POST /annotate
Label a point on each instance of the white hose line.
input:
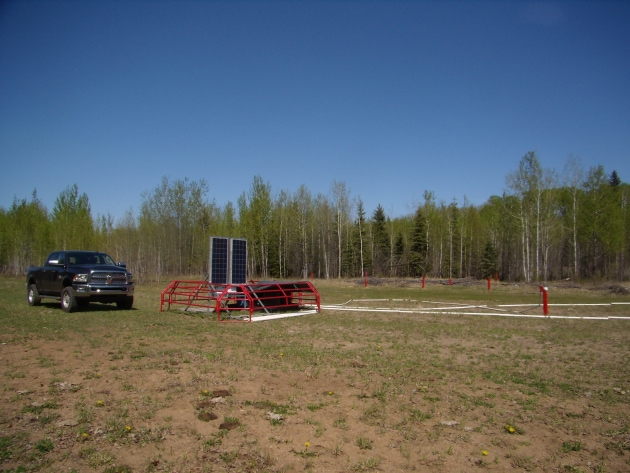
(491, 314)
(262, 318)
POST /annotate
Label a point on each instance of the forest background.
(546, 226)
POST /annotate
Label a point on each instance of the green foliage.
(25, 235)
(71, 220)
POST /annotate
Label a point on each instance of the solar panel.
(219, 261)
(238, 269)
(228, 260)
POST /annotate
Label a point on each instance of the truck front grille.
(106, 277)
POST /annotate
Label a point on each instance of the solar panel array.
(228, 260)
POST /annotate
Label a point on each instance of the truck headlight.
(129, 278)
(80, 278)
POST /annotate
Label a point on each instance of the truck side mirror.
(122, 265)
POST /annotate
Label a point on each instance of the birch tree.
(574, 178)
(342, 211)
(255, 217)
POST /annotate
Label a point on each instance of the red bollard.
(423, 277)
(545, 300)
(450, 282)
(489, 284)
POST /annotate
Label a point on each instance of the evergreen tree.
(451, 260)
(490, 261)
(399, 255)
(418, 251)
(380, 247)
(614, 180)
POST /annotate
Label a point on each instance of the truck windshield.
(90, 258)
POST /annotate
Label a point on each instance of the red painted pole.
(423, 277)
(489, 284)
(450, 282)
(545, 300)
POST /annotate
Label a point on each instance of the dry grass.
(121, 391)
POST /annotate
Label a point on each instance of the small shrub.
(571, 446)
(44, 445)
(364, 444)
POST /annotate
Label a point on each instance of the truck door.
(50, 270)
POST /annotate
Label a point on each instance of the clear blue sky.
(392, 98)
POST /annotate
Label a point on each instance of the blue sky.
(391, 98)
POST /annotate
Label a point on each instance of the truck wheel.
(126, 303)
(68, 302)
(32, 295)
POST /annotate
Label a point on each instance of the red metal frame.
(229, 299)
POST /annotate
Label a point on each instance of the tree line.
(542, 228)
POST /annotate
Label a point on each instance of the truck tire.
(32, 295)
(68, 302)
(125, 303)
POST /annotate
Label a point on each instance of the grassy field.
(146, 391)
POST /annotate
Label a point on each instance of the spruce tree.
(419, 250)
(614, 180)
(490, 261)
(380, 253)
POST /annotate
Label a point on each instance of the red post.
(489, 284)
(545, 300)
(450, 282)
(496, 277)
(365, 279)
(423, 278)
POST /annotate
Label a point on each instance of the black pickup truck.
(77, 278)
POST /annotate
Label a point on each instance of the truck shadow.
(92, 307)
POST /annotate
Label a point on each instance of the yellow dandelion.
(99, 403)
(127, 428)
(85, 435)
(307, 444)
(281, 354)
(330, 393)
(484, 453)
